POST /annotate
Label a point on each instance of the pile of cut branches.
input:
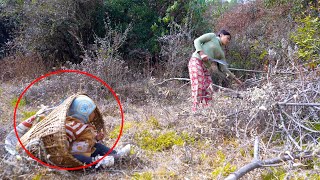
(282, 110)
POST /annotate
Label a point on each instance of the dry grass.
(220, 135)
(21, 67)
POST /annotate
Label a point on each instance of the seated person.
(83, 137)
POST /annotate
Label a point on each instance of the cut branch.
(186, 79)
(257, 163)
(224, 88)
(298, 104)
(268, 162)
(247, 70)
(256, 71)
(256, 149)
(171, 79)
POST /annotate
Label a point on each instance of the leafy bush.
(6, 28)
(221, 167)
(142, 176)
(224, 170)
(101, 60)
(141, 14)
(158, 142)
(45, 27)
(115, 132)
(153, 122)
(22, 102)
(307, 37)
(27, 114)
(278, 173)
(297, 6)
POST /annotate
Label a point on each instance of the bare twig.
(298, 104)
(287, 132)
(256, 71)
(246, 70)
(256, 149)
(299, 124)
(224, 88)
(171, 79)
(273, 128)
(186, 79)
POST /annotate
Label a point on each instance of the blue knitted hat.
(81, 107)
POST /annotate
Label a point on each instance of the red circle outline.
(56, 73)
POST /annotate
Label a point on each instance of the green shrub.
(307, 37)
(224, 170)
(275, 173)
(27, 114)
(187, 138)
(22, 102)
(115, 132)
(270, 3)
(164, 174)
(37, 176)
(314, 177)
(158, 142)
(47, 26)
(153, 122)
(142, 176)
(220, 158)
(220, 166)
(243, 152)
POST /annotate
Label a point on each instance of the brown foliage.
(21, 67)
(260, 36)
(240, 17)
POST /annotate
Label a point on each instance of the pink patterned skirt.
(200, 82)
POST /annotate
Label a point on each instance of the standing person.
(207, 46)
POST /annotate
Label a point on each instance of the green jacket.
(210, 44)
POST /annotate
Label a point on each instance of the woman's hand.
(238, 81)
(203, 56)
(100, 136)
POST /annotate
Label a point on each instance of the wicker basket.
(47, 140)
